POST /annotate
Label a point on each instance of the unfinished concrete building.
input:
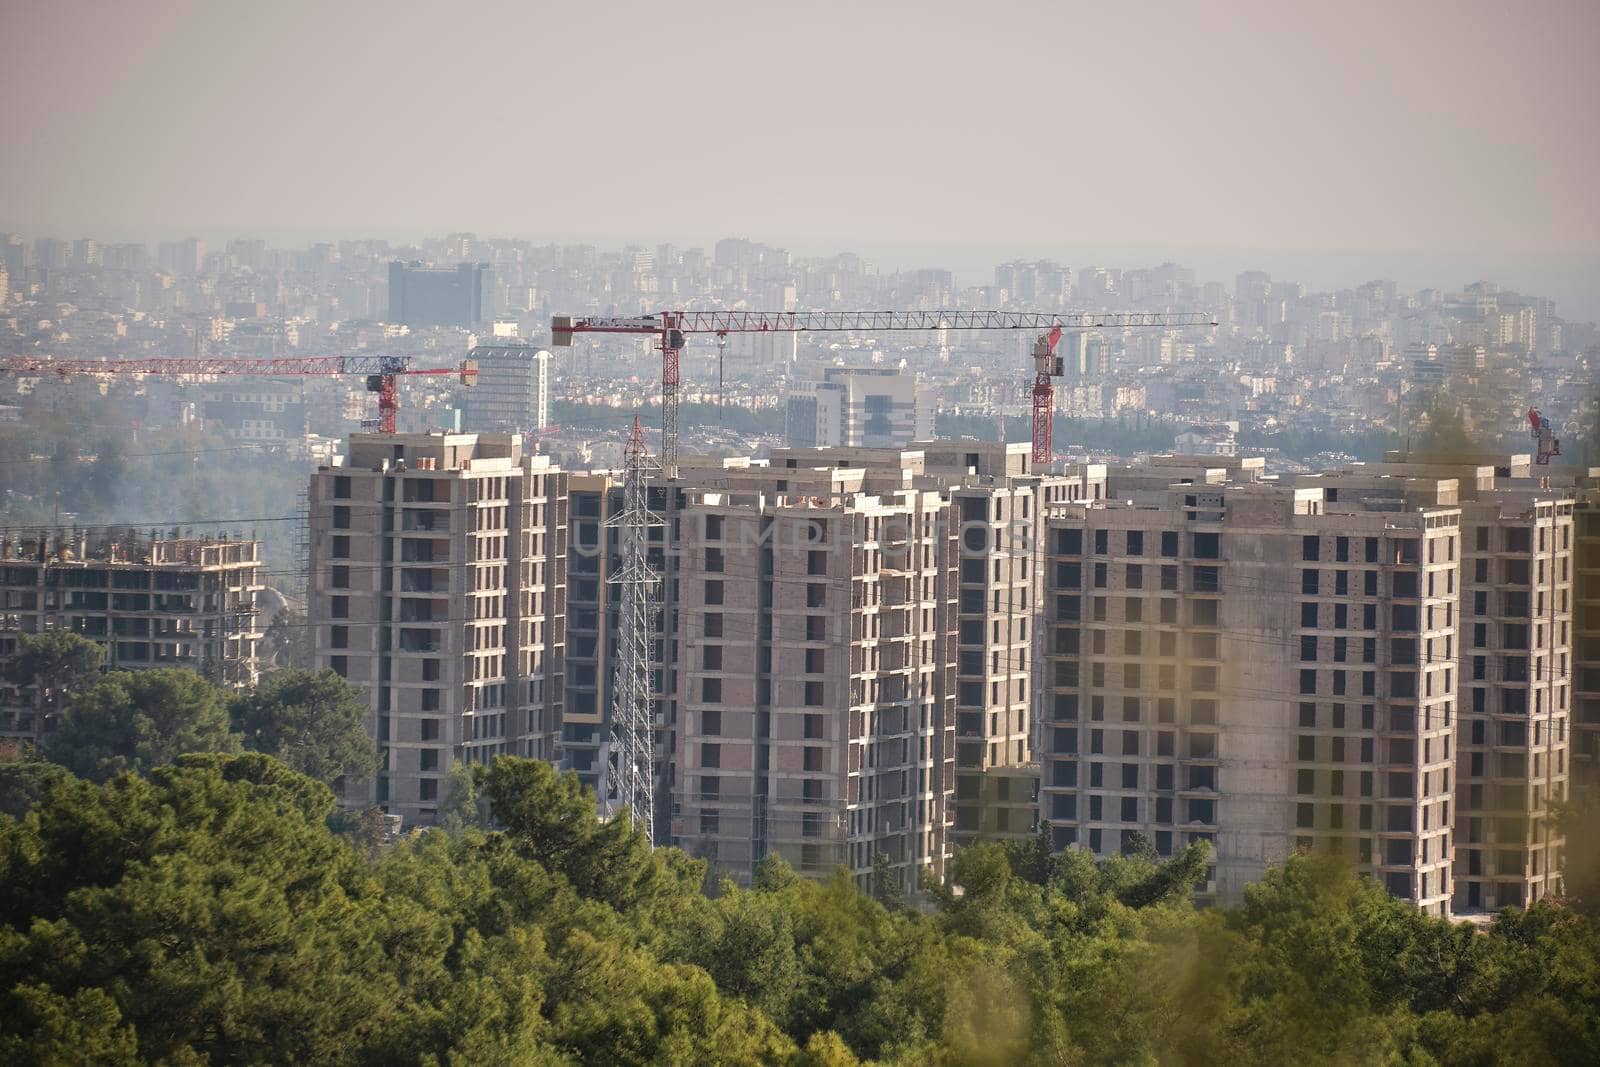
(998, 505)
(989, 611)
(150, 600)
(438, 586)
(1586, 642)
(1515, 671)
(591, 623)
(807, 628)
(1257, 666)
(813, 687)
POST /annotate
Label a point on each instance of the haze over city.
(814, 535)
(1365, 130)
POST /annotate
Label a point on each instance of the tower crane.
(671, 330)
(381, 372)
(1544, 437)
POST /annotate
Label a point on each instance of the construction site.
(150, 599)
(862, 657)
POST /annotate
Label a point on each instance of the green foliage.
(885, 886)
(550, 819)
(206, 913)
(313, 721)
(23, 781)
(465, 804)
(366, 829)
(59, 662)
(137, 720)
(287, 641)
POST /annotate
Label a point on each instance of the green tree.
(886, 888)
(24, 781)
(57, 662)
(288, 640)
(550, 818)
(139, 720)
(313, 721)
(212, 909)
(465, 804)
(1031, 859)
(367, 829)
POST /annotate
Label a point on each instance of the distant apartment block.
(998, 506)
(802, 673)
(439, 588)
(181, 257)
(155, 602)
(421, 296)
(591, 623)
(255, 409)
(859, 407)
(512, 393)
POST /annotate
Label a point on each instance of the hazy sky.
(1413, 128)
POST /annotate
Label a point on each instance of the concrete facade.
(1251, 665)
(591, 622)
(187, 602)
(438, 586)
(1586, 644)
(877, 635)
(814, 688)
(1514, 660)
(999, 505)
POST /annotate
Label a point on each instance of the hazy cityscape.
(830, 636)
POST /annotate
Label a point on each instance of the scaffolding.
(629, 766)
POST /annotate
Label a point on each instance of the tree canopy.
(205, 913)
(138, 720)
(58, 662)
(313, 721)
(287, 641)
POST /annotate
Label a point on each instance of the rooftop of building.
(1502, 464)
(125, 548)
(439, 451)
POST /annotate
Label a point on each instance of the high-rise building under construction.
(1372, 661)
(150, 600)
(438, 586)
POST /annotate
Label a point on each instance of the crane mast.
(671, 330)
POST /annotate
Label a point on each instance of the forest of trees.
(207, 912)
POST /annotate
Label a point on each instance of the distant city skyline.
(1571, 280)
(1464, 131)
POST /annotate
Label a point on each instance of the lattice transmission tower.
(630, 761)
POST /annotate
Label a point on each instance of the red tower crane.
(1046, 368)
(1544, 437)
(381, 372)
(672, 328)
